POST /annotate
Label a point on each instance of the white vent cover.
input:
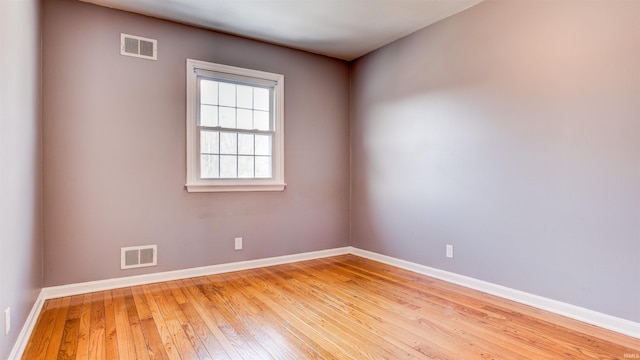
(138, 256)
(137, 46)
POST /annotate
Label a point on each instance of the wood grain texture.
(343, 307)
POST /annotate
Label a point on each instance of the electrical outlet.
(449, 251)
(238, 243)
(7, 321)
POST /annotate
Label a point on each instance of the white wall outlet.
(7, 321)
(449, 251)
(238, 245)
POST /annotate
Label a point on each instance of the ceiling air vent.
(137, 46)
(138, 256)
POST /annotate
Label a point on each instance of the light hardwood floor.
(343, 307)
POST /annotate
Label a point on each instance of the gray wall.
(509, 130)
(512, 131)
(20, 165)
(114, 150)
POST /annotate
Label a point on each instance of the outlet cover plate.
(449, 251)
(7, 321)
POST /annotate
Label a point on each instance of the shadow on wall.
(509, 130)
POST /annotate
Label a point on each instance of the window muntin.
(234, 128)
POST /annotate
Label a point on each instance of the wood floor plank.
(471, 315)
(533, 336)
(453, 290)
(441, 314)
(70, 335)
(249, 321)
(190, 334)
(275, 343)
(277, 294)
(41, 336)
(378, 309)
(110, 328)
(343, 322)
(299, 345)
(58, 330)
(242, 341)
(207, 313)
(166, 336)
(342, 307)
(97, 336)
(296, 317)
(125, 339)
(200, 328)
(150, 333)
(142, 351)
(82, 351)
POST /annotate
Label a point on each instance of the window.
(235, 129)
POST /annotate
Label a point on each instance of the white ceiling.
(344, 29)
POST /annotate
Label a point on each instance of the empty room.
(320, 179)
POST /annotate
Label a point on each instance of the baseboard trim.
(623, 326)
(613, 323)
(23, 338)
(108, 284)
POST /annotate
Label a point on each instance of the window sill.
(233, 188)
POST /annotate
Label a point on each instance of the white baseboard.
(25, 333)
(100, 285)
(592, 317)
(613, 323)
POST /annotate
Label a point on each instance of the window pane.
(233, 128)
(245, 166)
(263, 145)
(209, 166)
(209, 142)
(208, 115)
(261, 99)
(228, 166)
(245, 144)
(261, 120)
(245, 96)
(228, 117)
(263, 167)
(228, 143)
(227, 94)
(208, 92)
(245, 120)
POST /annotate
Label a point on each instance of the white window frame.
(197, 184)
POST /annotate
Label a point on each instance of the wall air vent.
(138, 256)
(137, 46)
